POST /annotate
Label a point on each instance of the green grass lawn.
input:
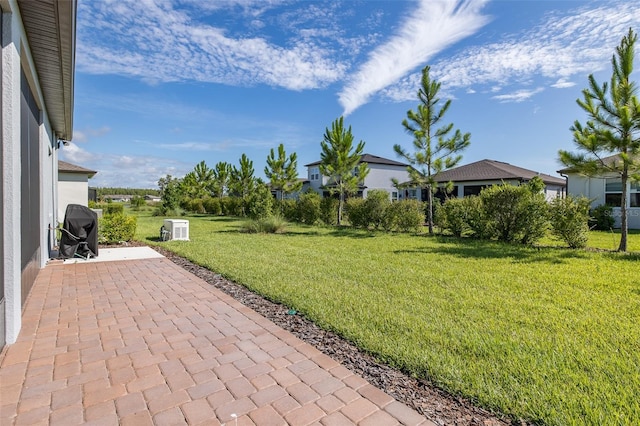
(548, 334)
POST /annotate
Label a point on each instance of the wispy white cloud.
(126, 171)
(563, 84)
(576, 43)
(432, 26)
(156, 42)
(518, 96)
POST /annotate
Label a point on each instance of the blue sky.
(164, 84)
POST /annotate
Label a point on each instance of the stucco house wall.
(594, 188)
(36, 98)
(381, 171)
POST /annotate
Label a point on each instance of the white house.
(73, 185)
(36, 100)
(381, 171)
(606, 189)
(471, 178)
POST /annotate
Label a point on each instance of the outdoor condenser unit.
(178, 229)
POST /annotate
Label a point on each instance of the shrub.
(269, 225)
(477, 220)
(232, 206)
(356, 212)
(408, 215)
(515, 213)
(259, 203)
(452, 216)
(287, 209)
(309, 207)
(601, 218)
(113, 208)
(376, 203)
(329, 210)
(212, 206)
(195, 205)
(570, 220)
(114, 228)
(137, 202)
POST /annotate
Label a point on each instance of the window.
(635, 194)
(394, 195)
(613, 192)
(473, 189)
(314, 174)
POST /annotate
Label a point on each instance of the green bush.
(260, 203)
(112, 208)
(356, 212)
(601, 218)
(515, 213)
(376, 204)
(286, 208)
(137, 202)
(212, 206)
(115, 228)
(477, 221)
(570, 220)
(195, 205)
(452, 216)
(329, 210)
(232, 206)
(309, 207)
(268, 225)
(405, 215)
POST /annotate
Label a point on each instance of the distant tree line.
(126, 191)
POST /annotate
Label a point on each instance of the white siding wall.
(380, 176)
(73, 188)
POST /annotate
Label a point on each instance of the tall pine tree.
(612, 129)
(340, 162)
(435, 149)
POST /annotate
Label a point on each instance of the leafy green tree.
(340, 162)
(282, 172)
(612, 128)
(198, 183)
(435, 148)
(169, 192)
(221, 177)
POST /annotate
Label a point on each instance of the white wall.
(380, 176)
(73, 188)
(594, 189)
(15, 58)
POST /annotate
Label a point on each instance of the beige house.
(73, 186)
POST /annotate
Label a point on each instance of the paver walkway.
(141, 342)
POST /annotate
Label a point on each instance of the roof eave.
(54, 59)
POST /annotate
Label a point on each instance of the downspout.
(565, 190)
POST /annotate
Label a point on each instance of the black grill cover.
(80, 232)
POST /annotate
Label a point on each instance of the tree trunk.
(623, 213)
(430, 209)
(341, 201)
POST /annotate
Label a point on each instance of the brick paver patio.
(143, 342)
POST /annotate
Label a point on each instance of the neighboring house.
(118, 198)
(152, 198)
(36, 106)
(292, 195)
(471, 178)
(381, 171)
(606, 189)
(73, 186)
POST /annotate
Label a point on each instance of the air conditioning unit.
(176, 229)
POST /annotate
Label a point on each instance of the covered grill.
(79, 233)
